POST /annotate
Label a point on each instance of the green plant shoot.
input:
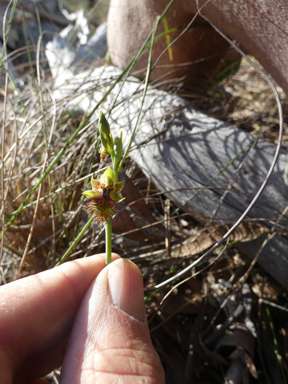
(106, 191)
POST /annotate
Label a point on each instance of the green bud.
(103, 124)
(105, 133)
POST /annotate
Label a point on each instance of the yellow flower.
(103, 196)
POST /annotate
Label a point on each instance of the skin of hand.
(87, 317)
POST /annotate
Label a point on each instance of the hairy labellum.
(101, 208)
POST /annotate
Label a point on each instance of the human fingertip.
(126, 288)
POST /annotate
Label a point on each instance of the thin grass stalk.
(10, 172)
(30, 234)
(75, 242)
(3, 170)
(168, 39)
(6, 33)
(28, 51)
(16, 90)
(50, 178)
(276, 347)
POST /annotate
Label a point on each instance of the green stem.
(108, 240)
(75, 242)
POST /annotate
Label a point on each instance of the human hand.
(98, 309)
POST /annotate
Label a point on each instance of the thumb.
(110, 341)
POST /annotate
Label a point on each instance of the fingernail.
(126, 288)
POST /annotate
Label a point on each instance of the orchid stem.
(108, 240)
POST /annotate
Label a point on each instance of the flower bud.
(103, 124)
(105, 133)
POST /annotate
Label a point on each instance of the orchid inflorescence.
(106, 191)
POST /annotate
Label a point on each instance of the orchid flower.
(103, 196)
